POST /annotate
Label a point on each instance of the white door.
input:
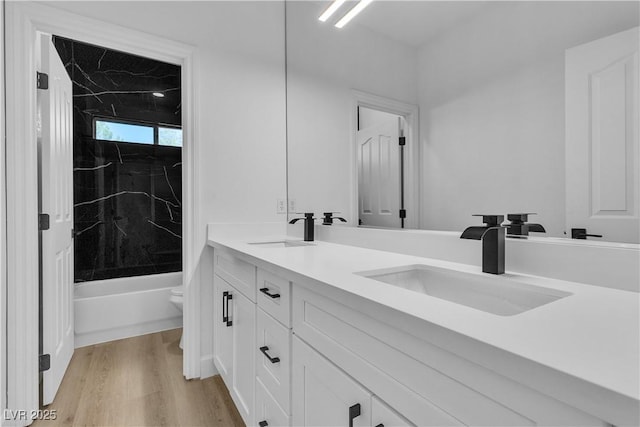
(243, 316)
(379, 174)
(55, 147)
(602, 151)
(323, 395)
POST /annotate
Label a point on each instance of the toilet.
(176, 299)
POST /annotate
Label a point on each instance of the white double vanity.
(326, 334)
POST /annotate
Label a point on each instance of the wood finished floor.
(138, 382)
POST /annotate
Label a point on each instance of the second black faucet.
(308, 225)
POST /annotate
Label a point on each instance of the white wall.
(324, 65)
(240, 107)
(368, 117)
(492, 110)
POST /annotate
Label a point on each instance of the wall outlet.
(292, 206)
(281, 207)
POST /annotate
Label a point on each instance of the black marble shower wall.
(127, 196)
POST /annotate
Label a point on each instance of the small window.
(109, 130)
(114, 131)
(170, 136)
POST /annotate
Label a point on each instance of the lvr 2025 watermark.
(24, 415)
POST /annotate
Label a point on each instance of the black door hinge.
(403, 213)
(42, 81)
(402, 141)
(43, 221)
(44, 362)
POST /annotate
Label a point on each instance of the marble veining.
(127, 197)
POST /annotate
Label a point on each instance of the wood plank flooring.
(138, 382)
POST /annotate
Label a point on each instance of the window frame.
(156, 126)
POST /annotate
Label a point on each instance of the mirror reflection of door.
(379, 168)
(602, 161)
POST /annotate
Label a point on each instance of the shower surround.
(127, 196)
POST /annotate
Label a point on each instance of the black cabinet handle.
(225, 294)
(228, 318)
(380, 425)
(354, 411)
(263, 423)
(271, 359)
(266, 292)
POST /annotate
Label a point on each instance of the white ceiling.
(416, 22)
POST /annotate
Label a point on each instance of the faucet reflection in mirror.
(519, 227)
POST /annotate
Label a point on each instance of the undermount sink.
(282, 244)
(493, 294)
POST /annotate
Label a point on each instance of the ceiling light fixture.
(331, 10)
(158, 94)
(352, 13)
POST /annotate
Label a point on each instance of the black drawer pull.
(271, 359)
(380, 425)
(265, 423)
(354, 411)
(266, 292)
(228, 318)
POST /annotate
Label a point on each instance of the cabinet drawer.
(423, 382)
(377, 366)
(274, 296)
(274, 341)
(240, 274)
(382, 415)
(267, 409)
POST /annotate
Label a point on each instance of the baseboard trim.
(91, 338)
(207, 367)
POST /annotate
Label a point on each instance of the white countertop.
(593, 334)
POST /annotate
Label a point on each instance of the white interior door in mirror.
(379, 174)
(602, 150)
(55, 152)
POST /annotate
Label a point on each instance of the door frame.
(24, 20)
(411, 115)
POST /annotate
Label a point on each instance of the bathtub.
(107, 310)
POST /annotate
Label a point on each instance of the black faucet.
(328, 218)
(520, 227)
(581, 234)
(308, 226)
(492, 236)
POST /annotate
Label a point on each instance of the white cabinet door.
(234, 344)
(602, 159)
(242, 315)
(222, 334)
(268, 412)
(323, 395)
(273, 365)
(383, 416)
